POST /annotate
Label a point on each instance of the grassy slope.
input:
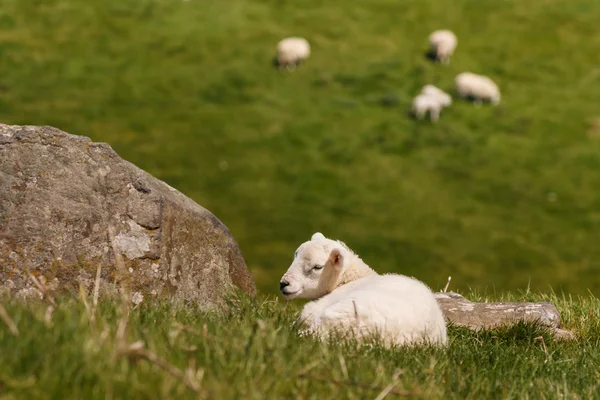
(253, 352)
(186, 91)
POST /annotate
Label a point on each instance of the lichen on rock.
(60, 194)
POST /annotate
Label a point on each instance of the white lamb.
(292, 51)
(351, 298)
(432, 100)
(477, 87)
(442, 43)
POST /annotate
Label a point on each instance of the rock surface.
(62, 195)
(463, 312)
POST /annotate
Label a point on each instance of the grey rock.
(60, 197)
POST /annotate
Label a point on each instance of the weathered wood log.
(463, 312)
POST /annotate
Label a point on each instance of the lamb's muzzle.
(282, 287)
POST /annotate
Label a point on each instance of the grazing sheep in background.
(292, 51)
(442, 45)
(477, 87)
(349, 297)
(432, 100)
(444, 98)
(423, 103)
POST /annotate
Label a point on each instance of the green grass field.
(503, 199)
(500, 198)
(252, 351)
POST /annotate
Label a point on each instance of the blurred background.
(500, 198)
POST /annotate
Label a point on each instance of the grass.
(502, 198)
(499, 198)
(252, 350)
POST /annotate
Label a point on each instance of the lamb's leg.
(331, 272)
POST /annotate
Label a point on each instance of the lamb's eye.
(317, 267)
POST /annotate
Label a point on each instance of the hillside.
(500, 198)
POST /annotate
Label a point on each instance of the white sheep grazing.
(443, 43)
(349, 297)
(292, 51)
(432, 100)
(477, 87)
(444, 98)
(423, 103)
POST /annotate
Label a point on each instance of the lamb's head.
(315, 270)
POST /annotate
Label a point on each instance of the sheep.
(442, 45)
(424, 103)
(444, 98)
(477, 87)
(349, 297)
(291, 52)
(432, 100)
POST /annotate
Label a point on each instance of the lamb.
(292, 51)
(442, 45)
(477, 87)
(432, 100)
(351, 298)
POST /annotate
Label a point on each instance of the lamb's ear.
(317, 236)
(336, 259)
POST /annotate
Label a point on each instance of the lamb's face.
(302, 277)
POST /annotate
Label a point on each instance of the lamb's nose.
(283, 284)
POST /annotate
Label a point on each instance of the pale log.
(463, 312)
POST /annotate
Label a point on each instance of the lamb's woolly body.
(292, 51)
(399, 309)
(443, 43)
(478, 87)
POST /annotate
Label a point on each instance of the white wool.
(431, 100)
(423, 104)
(350, 298)
(443, 43)
(478, 87)
(292, 51)
(444, 98)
